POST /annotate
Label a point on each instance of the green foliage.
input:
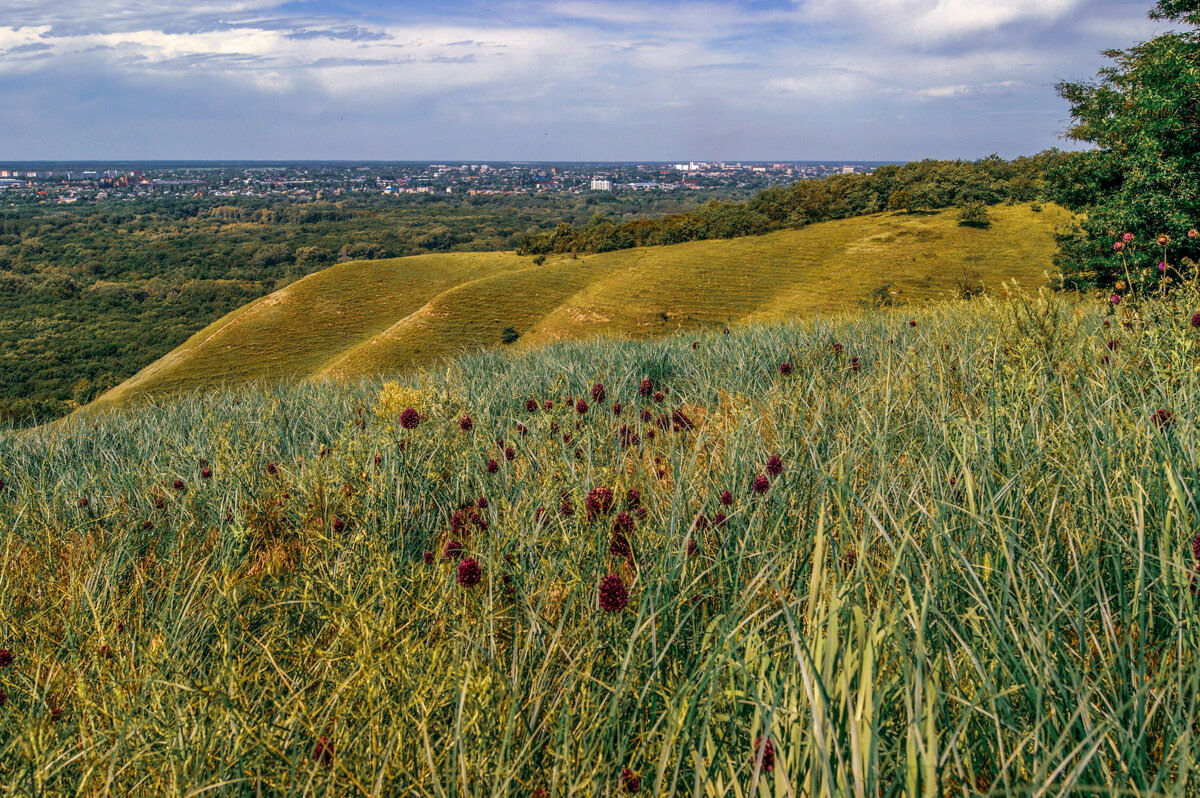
(1143, 178)
(974, 214)
(976, 539)
(509, 335)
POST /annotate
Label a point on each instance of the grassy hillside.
(374, 317)
(969, 571)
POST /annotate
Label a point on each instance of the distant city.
(93, 182)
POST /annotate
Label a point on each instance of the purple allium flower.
(522, 430)
(659, 396)
(1112, 345)
(693, 548)
(6, 658)
(539, 513)
(612, 593)
(567, 438)
(912, 323)
(630, 782)
(719, 519)
(492, 466)
(727, 498)
(469, 572)
(775, 465)
(509, 453)
(646, 415)
(147, 525)
(623, 523)
(837, 349)
(695, 344)
(338, 525)
(427, 557)
(1195, 552)
(1196, 319)
(1163, 419)
(566, 509)
(160, 502)
(598, 393)
(768, 754)
(681, 421)
(465, 423)
(701, 521)
(177, 484)
(616, 408)
(410, 418)
(540, 792)
(645, 387)
(453, 549)
(854, 366)
(323, 753)
(83, 501)
(785, 368)
(106, 652)
(482, 503)
(599, 501)
(206, 473)
(272, 469)
(581, 407)
(531, 405)
(761, 484)
(633, 497)
(56, 713)
(1116, 299)
(618, 546)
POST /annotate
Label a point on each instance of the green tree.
(1143, 178)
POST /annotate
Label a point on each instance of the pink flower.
(1127, 238)
(1116, 299)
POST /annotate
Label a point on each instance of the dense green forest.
(91, 294)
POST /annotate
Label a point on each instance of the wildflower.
(1112, 345)
(693, 548)
(616, 408)
(768, 754)
(1118, 246)
(147, 525)
(540, 792)
(548, 405)
(106, 652)
(428, 557)
(1163, 240)
(540, 513)
(1196, 319)
(612, 593)
(1163, 419)
(726, 498)
(272, 469)
(659, 396)
(623, 523)
(492, 466)
(202, 462)
(726, 331)
(453, 549)
(645, 387)
(785, 368)
(854, 366)
(323, 753)
(695, 344)
(531, 405)
(633, 497)
(566, 438)
(630, 782)
(522, 430)
(177, 484)
(1162, 266)
(566, 509)
(338, 525)
(761, 484)
(410, 418)
(775, 465)
(1127, 238)
(598, 393)
(719, 518)
(599, 501)
(83, 501)
(1116, 299)
(469, 572)
(618, 546)
(581, 407)
(509, 453)
(206, 473)
(1195, 553)
(324, 451)
(837, 349)
(465, 423)
(160, 502)
(6, 658)
(1193, 233)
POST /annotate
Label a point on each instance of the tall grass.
(971, 577)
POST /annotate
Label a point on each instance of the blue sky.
(546, 79)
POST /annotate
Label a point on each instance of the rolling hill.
(370, 317)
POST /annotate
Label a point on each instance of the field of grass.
(375, 317)
(969, 571)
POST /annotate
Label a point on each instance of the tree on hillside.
(1143, 177)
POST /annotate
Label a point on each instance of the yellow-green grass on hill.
(372, 317)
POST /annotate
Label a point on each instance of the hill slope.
(374, 317)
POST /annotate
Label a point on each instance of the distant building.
(847, 170)
(600, 184)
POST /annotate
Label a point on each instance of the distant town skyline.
(546, 80)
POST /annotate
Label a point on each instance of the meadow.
(942, 551)
(366, 318)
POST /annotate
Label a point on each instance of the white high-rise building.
(600, 184)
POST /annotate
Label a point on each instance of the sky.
(547, 80)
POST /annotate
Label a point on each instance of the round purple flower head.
(1163, 419)
(531, 405)
(410, 418)
(6, 658)
(633, 497)
(492, 466)
(599, 501)
(1116, 299)
(1127, 238)
(726, 498)
(775, 465)
(616, 408)
(630, 782)
(768, 754)
(761, 484)
(453, 549)
(581, 407)
(837, 349)
(645, 387)
(323, 753)
(1196, 320)
(785, 368)
(469, 572)
(618, 546)
(177, 484)
(612, 593)
(598, 393)
(465, 423)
